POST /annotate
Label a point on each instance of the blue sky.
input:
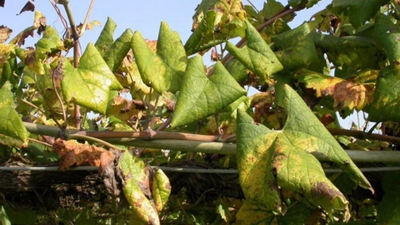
(144, 16)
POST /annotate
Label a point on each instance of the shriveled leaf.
(161, 189)
(5, 33)
(200, 96)
(385, 105)
(73, 153)
(118, 50)
(39, 24)
(270, 159)
(122, 108)
(164, 70)
(133, 170)
(12, 130)
(345, 93)
(359, 11)
(250, 214)
(257, 55)
(29, 6)
(389, 207)
(106, 38)
(90, 84)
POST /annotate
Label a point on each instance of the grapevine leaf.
(161, 189)
(297, 49)
(5, 33)
(359, 11)
(134, 170)
(302, 123)
(269, 159)
(12, 130)
(164, 70)
(355, 52)
(297, 214)
(106, 39)
(118, 50)
(257, 55)
(214, 22)
(202, 37)
(309, 3)
(201, 96)
(254, 164)
(47, 46)
(90, 84)
(250, 214)
(271, 8)
(388, 209)
(385, 105)
(8, 64)
(387, 35)
(345, 93)
(3, 215)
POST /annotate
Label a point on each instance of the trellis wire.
(176, 169)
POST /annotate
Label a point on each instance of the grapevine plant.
(144, 111)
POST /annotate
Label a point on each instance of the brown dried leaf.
(5, 33)
(215, 56)
(107, 171)
(29, 6)
(73, 153)
(122, 108)
(349, 94)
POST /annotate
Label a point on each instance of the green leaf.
(106, 39)
(201, 39)
(118, 50)
(387, 35)
(359, 11)
(3, 217)
(134, 172)
(90, 84)
(164, 70)
(309, 3)
(201, 96)
(385, 105)
(389, 207)
(21, 216)
(250, 214)
(12, 130)
(297, 49)
(47, 46)
(271, 8)
(161, 189)
(353, 51)
(302, 123)
(269, 159)
(256, 56)
(296, 214)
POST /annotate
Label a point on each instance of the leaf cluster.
(110, 106)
